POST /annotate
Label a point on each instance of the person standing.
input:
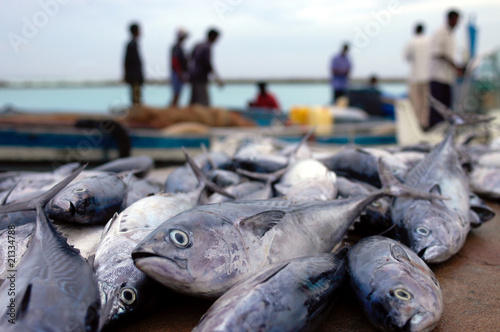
(417, 53)
(340, 68)
(200, 67)
(443, 69)
(133, 65)
(178, 65)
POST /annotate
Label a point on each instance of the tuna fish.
(436, 229)
(397, 290)
(206, 250)
(290, 296)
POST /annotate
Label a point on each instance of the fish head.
(91, 200)
(123, 289)
(428, 233)
(197, 252)
(403, 302)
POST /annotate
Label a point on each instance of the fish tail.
(44, 198)
(456, 118)
(202, 179)
(393, 187)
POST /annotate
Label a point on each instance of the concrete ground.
(470, 282)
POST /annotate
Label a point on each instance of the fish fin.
(436, 189)
(266, 177)
(43, 198)
(4, 200)
(262, 222)
(202, 179)
(399, 254)
(109, 224)
(23, 306)
(91, 259)
(209, 158)
(481, 209)
(278, 270)
(392, 186)
(475, 221)
(456, 118)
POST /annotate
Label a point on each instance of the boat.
(62, 138)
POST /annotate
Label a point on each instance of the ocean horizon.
(103, 98)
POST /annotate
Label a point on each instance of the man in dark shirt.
(200, 68)
(133, 66)
(178, 65)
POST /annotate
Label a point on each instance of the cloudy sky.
(85, 39)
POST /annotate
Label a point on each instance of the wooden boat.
(82, 137)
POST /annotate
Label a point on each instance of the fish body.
(55, 286)
(397, 290)
(288, 296)
(206, 250)
(436, 229)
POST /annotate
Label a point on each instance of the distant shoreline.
(91, 84)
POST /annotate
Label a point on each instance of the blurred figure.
(200, 67)
(373, 83)
(178, 65)
(133, 65)
(443, 69)
(264, 99)
(417, 53)
(340, 68)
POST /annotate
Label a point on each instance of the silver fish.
(125, 291)
(54, 287)
(289, 296)
(90, 200)
(206, 250)
(437, 229)
(397, 290)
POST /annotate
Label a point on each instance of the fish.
(89, 200)
(437, 229)
(362, 164)
(55, 289)
(206, 250)
(126, 292)
(307, 179)
(293, 295)
(396, 289)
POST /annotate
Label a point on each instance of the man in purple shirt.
(340, 68)
(200, 68)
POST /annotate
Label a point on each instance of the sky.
(75, 40)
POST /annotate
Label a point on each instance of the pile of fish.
(262, 231)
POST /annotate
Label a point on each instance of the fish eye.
(80, 190)
(179, 238)
(402, 294)
(422, 230)
(128, 295)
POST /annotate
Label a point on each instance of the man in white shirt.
(417, 53)
(443, 69)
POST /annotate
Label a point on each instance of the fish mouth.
(72, 209)
(434, 254)
(141, 256)
(420, 321)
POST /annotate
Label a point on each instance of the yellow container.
(322, 119)
(299, 115)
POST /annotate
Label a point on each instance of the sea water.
(103, 99)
